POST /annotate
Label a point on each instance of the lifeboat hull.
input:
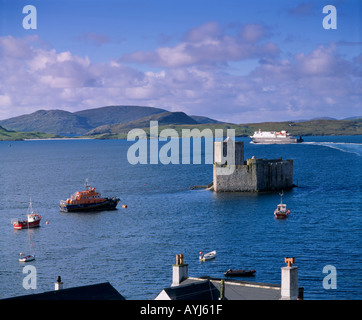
(108, 204)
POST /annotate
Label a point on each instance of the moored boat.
(27, 258)
(32, 220)
(88, 200)
(281, 212)
(239, 273)
(207, 256)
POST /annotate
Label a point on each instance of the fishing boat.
(281, 212)
(207, 256)
(88, 200)
(27, 258)
(32, 220)
(239, 273)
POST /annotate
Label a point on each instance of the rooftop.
(208, 288)
(184, 287)
(100, 291)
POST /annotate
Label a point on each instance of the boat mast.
(30, 208)
(30, 238)
(281, 197)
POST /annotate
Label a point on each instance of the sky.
(237, 61)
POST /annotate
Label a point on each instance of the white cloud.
(208, 45)
(5, 101)
(253, 32)
(192, 77)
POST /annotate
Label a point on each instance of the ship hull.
(274, 141)
(25, 225)
(281, 215)
(108, 204)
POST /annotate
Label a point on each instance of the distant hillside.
(9, 135)
(79, 123)
(50, 121)
(164, 119)
(351, 118)
(116, 114)
(200, 119)
(116, 121)
(313, 127)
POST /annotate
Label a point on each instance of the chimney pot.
(59, 284)
(289, 261)
(179, 270)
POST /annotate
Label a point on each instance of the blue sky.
(233, 60)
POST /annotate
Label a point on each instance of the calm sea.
(134, 248)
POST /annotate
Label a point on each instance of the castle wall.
(276, 174)
(242, 179)
(256, 175)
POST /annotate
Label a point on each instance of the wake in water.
(349, 147)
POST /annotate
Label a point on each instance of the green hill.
(66, 123)
(9, 135)
(164, 119)
(57, 122)
(313, 127)
(116, 121)
(201, 119)
(116, 114)
(78, 123)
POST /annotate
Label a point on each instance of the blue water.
(134, 248)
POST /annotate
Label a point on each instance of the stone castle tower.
(253, 175)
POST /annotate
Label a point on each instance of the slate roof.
(207, 288)
(100, 291)
(202, 290)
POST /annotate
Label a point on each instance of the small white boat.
(27, 258)
(207, 256)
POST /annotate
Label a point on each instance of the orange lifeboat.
(88, 200)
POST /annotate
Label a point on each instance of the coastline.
(54, 139)
(125, 138)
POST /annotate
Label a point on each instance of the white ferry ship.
(273, 137)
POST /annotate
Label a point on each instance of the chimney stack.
(289, 285)
(179, 271)
(59, 284)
